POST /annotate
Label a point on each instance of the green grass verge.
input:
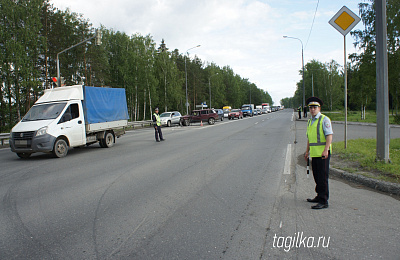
(363, 152)
(355, 116)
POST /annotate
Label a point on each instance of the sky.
(246, 35)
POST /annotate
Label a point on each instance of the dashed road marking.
(288, 160)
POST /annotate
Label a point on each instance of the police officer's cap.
(314, 101)
(156, 109)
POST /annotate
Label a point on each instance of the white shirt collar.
(317, 116)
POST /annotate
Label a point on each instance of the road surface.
(234, 190)
(205, 193)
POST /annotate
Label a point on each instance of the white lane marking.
(288, 160)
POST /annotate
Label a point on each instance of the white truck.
(72, 116)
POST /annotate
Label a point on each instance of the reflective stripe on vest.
(316, 137)
(158, 119)
(319, 130)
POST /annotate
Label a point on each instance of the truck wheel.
(101, 143)
(211, 121)
(60, 148)
(169, 123)
(24, 155)
(187, 122)
(108, 140)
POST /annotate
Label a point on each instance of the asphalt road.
(235, 190)
(205, 193)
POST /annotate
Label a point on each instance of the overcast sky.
(247, 35)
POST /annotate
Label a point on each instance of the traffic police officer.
(319, 134)
(299, 110)
(157, 126)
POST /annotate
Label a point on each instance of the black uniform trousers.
(158, 132)
(320, 168)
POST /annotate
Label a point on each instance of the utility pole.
(382, 96)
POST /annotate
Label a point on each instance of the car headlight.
(41, 131)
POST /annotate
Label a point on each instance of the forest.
(326, 80)
(33, 32)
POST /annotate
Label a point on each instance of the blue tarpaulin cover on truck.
(104, 104)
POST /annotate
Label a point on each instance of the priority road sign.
(344, 20)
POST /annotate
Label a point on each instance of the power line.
(312, 25)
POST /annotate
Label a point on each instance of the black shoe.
(162, 139)
(157, 140)
(320, 206)
(313, 200)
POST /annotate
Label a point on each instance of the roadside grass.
(355, 116)
(360, 156)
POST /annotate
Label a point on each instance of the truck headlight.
(41, 131)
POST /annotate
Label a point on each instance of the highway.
(207, 192)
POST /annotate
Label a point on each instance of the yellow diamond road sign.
(344, 20)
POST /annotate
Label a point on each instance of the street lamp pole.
(302, 64)
(97, 42)
(187, 105)
(209, 85)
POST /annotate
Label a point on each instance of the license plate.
(21, 142)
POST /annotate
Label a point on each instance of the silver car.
(170, 118)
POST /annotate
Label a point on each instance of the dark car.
(235, 113)
(220, 113)
(206, 115)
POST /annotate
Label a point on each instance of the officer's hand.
(325, 154)
(306, 156)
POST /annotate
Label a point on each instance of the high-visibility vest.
(316, 137)
(158, 119)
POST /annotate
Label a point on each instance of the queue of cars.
(212, 115)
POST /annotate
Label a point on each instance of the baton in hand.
(308, 167)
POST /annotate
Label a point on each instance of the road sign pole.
(345, 93)
(344, 21)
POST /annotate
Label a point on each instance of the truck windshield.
(246, 108)
(44, 112)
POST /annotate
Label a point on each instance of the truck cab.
(248, 110)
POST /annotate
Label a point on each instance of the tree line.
(327, 79)
(34, 31)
